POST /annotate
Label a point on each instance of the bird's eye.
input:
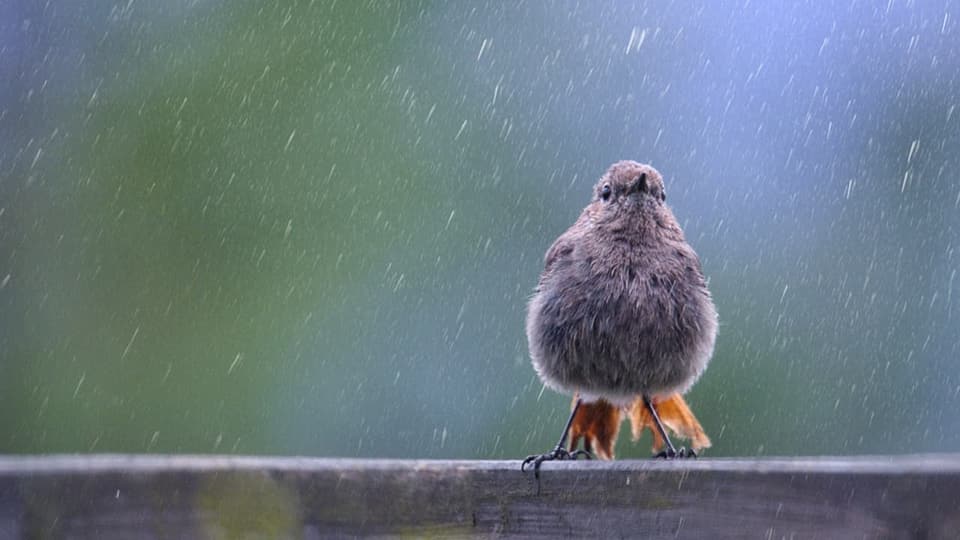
(663, 196)
(605, 192)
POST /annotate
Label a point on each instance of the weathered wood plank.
(112, 496)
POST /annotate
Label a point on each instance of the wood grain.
(118, 496)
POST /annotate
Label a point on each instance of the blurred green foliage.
(311, 227)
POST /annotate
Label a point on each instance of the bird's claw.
(557, 454)
(581, 452)
(670, 453)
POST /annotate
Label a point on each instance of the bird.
(622, 319)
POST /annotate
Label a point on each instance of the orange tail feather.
(675, 415)
(598, 425)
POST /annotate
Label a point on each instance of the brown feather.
(597, 424)
(676, 417)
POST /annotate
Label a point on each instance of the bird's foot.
(577, 453)
(670, 453)
(557, 454)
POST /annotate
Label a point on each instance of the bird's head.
(628, 188)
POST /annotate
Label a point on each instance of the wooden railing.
(118, 496)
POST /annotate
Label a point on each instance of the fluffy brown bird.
(622, 319)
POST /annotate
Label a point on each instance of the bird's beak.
(640, 184)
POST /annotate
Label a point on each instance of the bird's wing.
(562, 248)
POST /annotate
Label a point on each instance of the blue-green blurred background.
(312, 227)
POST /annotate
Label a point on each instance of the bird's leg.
(559, 452)
(669, 452)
